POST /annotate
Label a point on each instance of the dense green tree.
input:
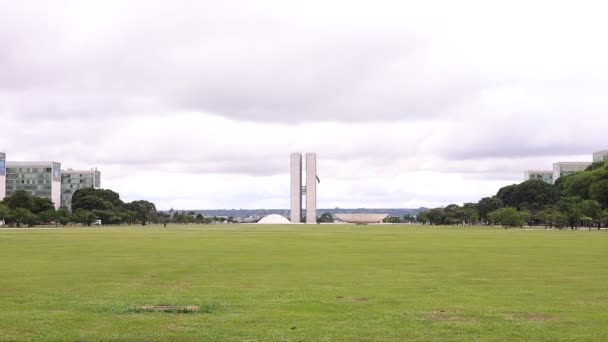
(577, 184)
(42, 204)
(392, 219)
(534, 191)
(144, 211)
(595, 165)
(23, 216)
(436, 216)
(487, 205)
(4, 212)
(84, 217)
(20, 199)
(598, 191)
(110, 197)
(63, 216)
(571, 209)
(90, 202)
(423, 217)
(507, 217)
(48, 216)
(593, 211)
(184, 218)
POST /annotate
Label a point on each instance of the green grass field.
(304, 283)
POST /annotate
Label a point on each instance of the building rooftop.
(21, 163)
(79, 171)
(573, 163)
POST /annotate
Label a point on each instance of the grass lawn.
(304, 283)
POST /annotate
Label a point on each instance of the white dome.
(274, 219)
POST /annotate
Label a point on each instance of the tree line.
(576, 200)
(88, 206)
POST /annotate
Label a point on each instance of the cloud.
(198, 103)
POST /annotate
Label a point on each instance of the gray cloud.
(403, 103)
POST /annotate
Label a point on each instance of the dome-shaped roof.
(274, 219)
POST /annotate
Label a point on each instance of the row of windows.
(28, 169)
(68, 175)
(28, 187)
(39, 193)
(77, 181)
(28, 181)
(28, 176)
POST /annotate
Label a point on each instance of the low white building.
(565, 168)
(600, 156)
(544, 175)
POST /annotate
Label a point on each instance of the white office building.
(565, 168)
(72, 180)
(41, 179)
(600, 156)
(544, 175)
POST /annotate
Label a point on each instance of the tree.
(20, 199)
(577, 184)
(392, 219)
(41, 204)
(89, 202)
(487, 205)
(84, 217)
(22, 215)
(184, 218)
(593, 211)
(570, 208)
(4, 212)
(436, 216)
(63, 216)
(144, 211)
(48, 216)
(423, 217)
(110, 197)
(507, 217)
(530, 192)
(599, 191)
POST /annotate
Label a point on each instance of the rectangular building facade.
(311, 188)
(41, 179)
(544, 175)
(600, 156)
(296, 188)
(72, 180)
(2, 175)
(565, 168)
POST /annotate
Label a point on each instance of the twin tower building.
(298, 189)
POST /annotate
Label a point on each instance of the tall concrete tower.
(2, 175)
(310, 189)
(296, 188)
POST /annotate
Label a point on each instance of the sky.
(198, 104)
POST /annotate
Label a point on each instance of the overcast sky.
(198, 104)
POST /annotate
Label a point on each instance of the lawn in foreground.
(304, 283)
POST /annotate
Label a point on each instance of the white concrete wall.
(600, 156)
(2, 187)
(311, 188)
(296, 188)
(3, 176)
(56, 194)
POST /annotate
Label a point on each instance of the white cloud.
(198, 103)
